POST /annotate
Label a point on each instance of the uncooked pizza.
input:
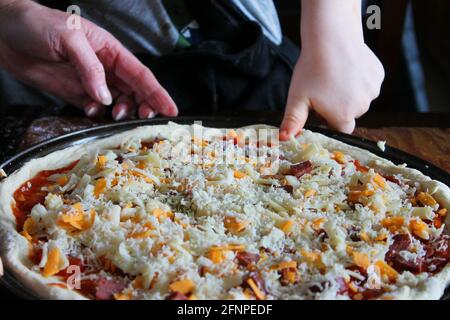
(160, 212)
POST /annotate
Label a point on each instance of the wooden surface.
(430, 144)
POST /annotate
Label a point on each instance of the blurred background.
(414, 46)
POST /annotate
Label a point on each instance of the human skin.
(337, 75)
(87, 67)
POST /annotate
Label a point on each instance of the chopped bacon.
(176, 296)
(322, 235)
(437, 254)
(354, 233)
(150, 144)
(35, 255)
(299, 170)
(402, 242)
(368, 294)
(392, 179)
(119, 159)
(288, 189)
(316, 288)
(247, 259)
(106, 288)
(88, 287)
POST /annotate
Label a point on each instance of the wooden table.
(430, 144)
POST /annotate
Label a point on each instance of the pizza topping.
(256, 283)
(53, 262)
(289, 276)
(303, 221)
(247, 259)
(177, 296)
(182, 286)
(419, 228)
(299, 170)
(362, 260)
(386, 271)
(235, 226)
(107, 288)
(426, 199)
(400, 262)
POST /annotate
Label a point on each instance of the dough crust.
(14, 248)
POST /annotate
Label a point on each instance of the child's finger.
(294, 118)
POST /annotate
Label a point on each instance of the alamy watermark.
(74, 20)
(258, 146)
(374, 19)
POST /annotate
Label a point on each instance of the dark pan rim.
(94, 133)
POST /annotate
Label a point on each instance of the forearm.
(331, 20)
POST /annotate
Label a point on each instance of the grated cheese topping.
(299, 222)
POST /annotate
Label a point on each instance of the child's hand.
(37, 48)
(337, 76)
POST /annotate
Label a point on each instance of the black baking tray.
(16, 290)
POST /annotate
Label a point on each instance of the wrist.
(331, 22)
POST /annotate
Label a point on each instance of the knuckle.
(373, 93)
(71, 37)
(94, 72)
(138, 76)
(55, 42)
(346, 114)
(292, 118)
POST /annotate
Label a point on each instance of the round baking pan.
(16, 290)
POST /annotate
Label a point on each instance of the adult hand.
(337, 75)
(86, 67)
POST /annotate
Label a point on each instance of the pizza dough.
(312, 219)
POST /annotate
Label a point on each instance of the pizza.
(162, 212)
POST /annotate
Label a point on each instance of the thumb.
(89, 67)
(294, 118)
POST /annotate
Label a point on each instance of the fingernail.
(120, 115)
(151, 115)
(92, 111)
(105, 95)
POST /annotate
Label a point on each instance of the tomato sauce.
(30, 193)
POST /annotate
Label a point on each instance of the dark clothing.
(234, 66)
